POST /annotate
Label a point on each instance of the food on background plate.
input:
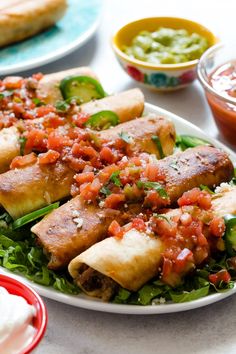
(16, 323)
(121, 173)
(20, 19)
(166, 46)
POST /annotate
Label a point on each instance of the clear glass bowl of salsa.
(217, 74)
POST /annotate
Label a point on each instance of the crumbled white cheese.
(223, 187)
(124, 159)
(75, 213)
(158, 301)
(78, 222)
(101, 204)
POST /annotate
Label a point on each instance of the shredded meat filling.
(95, 283)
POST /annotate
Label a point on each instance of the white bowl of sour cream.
(23, 317)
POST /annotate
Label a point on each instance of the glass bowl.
(223, 105)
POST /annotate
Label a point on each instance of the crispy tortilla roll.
(30, 188)
(12, 182)
(48, 87)
(9, 147)
(224, 201)
(129, 261)
(24, 18)
(200, 165)
(134, 259)
(73, 228)
(53, 229)
(127, 105)
(142, 130)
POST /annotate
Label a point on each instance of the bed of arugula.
(19, 253)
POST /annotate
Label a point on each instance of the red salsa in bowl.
(217, 73)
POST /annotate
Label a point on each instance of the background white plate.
(81, 300)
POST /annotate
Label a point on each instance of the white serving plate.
(81, 300)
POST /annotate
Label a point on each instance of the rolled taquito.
(129, 261)
(202, 165)
(141, 133)
(135, 258)
(205, 165)
(127, 105)
(18, 184)
(26, 189)
(9, 147)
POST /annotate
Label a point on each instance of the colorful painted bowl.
(15, 287)
(161, 77)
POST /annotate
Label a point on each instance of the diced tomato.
(13, 82)
(139, 224)
(79, 150)
(37, 76)
(76, 164)
(36, 139)
(28, 115)
(106, 154)
(51, 156)
(186, 219)
(182, 261)
(217, 227)
(204, 200)
(167, 267)
(201, 240)
(153, 173)
(84, 177)
(54, 121)
(196, 197)
(22, 161)
(114, 229)
(164, 227)
(113, 201)
(106, 173)
(154, 200)
(91, 190)
(18, 109)
(45, 110)
(57, 142)
(80, 119)
(222, 275)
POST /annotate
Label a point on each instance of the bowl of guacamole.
(162, 52)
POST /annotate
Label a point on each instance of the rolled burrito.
(135, 258)
(20, 19)
(212, 169)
